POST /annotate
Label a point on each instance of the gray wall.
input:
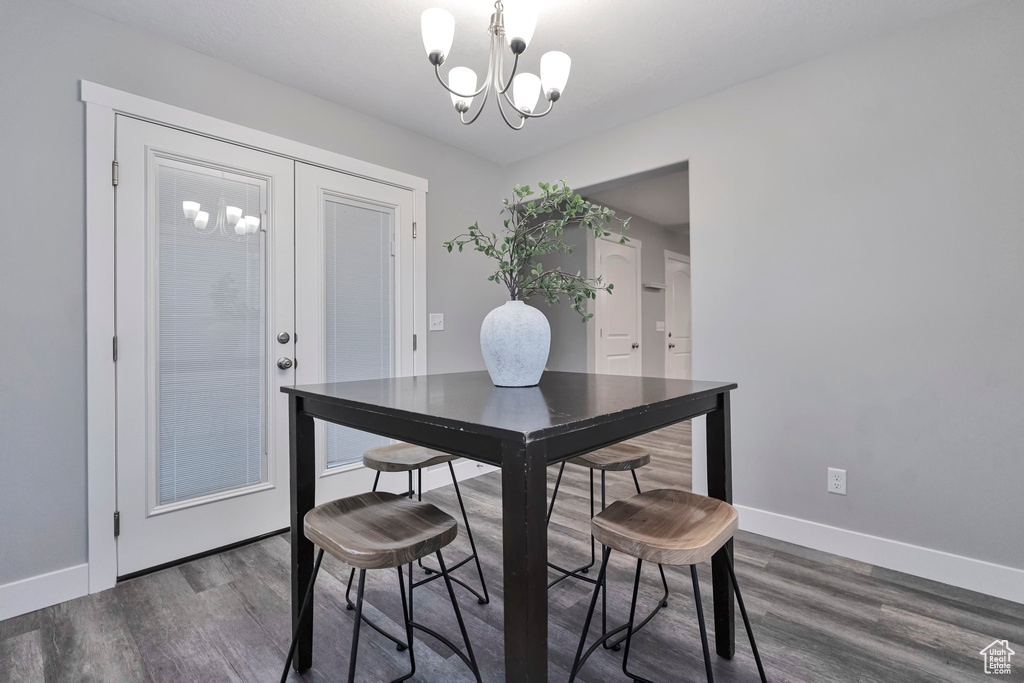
(858, 261)
(47, 46)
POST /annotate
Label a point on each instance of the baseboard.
(956, 570)
(438, 476)
(37, 592)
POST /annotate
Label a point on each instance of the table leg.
(524, 532)
(719, 439)
(303, 497)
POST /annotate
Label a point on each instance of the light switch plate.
(659, 326)
(436, 322)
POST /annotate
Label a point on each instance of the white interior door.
(202, 430)
(678, 344)
(354, 304)
(618, 315)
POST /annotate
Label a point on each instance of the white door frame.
(101, 105)
(597, 349)
(676, 256)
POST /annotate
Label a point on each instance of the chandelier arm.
(487, 84)
(437, 72)
(462, 116)
(526, 115)
(501, 110)
(502, 89)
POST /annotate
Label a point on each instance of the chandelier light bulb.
(462, 81)
(554, 73)
(438, 28)
(252, 224)
(240, 227)
(232, 214)
(190, 209)
(201, 219)
(525, 92)
(520, 17)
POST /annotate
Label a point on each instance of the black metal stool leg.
(700, 620)
(419, 496)
(746, 621)
(575, 573)
(352, 574)
(663, 602)
(604, 591)
(578, 661)
(458, 616)
(469, 532)
(629, 626)
(302, 613)
(408, 629)
(399, 645)
(355, 627)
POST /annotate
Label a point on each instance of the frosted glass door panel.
(210, 341)
(358, 308)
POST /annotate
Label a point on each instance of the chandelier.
(513, 22)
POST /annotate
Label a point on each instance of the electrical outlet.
(437, 322)
(659, 325)
(836, 481)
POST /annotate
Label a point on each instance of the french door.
(239, 272)
(354, 309)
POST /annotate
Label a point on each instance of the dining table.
(522, 431)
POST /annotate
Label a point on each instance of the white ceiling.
(630, 59)
(662, 199)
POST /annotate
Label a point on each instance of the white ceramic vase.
(515, 340)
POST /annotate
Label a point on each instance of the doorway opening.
(650, 305)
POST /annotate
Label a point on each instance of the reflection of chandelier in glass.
(232, 216)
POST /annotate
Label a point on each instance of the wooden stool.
(382, 531)
(405, 457)
(671, 527)
(620, 457)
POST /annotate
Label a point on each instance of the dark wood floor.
(817, 617)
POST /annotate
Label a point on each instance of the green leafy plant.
(534, 225)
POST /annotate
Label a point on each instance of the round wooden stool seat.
(379, 530)
(621, 457)
(403, 457)
(667, 526)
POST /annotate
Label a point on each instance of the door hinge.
(117, 523)
(414, 229)
(414, 342)
(115, 348)
(113, 172)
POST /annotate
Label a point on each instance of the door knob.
(285, 363)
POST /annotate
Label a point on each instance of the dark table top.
(563, 402)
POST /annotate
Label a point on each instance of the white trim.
(101, 472)
(937, 565)
(209, 126)
(419, 269)
(101, 104)
(37, 592)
